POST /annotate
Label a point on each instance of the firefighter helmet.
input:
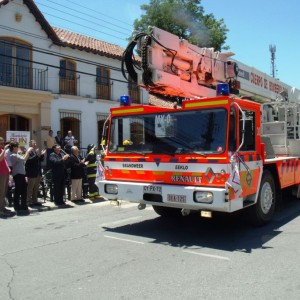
(90, 147)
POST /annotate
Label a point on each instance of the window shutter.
(98, 75)
(62, 68)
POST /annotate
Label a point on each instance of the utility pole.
(272, 49)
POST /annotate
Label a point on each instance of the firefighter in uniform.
(91, 164)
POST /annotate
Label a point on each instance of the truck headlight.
(111, 189)
(203, 197)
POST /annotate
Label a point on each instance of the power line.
(56, 54)
(53, 53)
(97, 18)
(110, 17)
(127, 32)
(45, 13)
(83, 19)
(58, 67)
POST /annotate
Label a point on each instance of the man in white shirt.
(70, 139)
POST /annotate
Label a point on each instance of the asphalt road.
(100, 251)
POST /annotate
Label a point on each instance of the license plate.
(152, 189)
(176, 198)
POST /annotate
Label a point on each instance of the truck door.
(250, 164)
(232, 140)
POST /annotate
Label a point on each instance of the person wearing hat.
(91, 171)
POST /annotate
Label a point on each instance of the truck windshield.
(201, 131)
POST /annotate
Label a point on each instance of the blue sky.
(253, 26)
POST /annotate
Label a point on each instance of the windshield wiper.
(199, 153)
(136, 152)
(188, 151)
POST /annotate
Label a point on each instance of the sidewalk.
(48, 205)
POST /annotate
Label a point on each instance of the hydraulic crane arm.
(171, 66)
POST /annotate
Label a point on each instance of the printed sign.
(21, 137)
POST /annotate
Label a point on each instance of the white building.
(51, 78)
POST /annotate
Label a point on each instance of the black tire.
(167, 212)
(263, 211)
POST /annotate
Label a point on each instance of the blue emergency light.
(125, 100)
(223, 89)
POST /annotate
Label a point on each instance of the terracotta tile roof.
(89, 44)
(70, 39)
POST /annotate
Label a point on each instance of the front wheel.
(263, 211)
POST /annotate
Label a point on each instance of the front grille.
(152, 197)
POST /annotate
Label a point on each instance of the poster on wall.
(21, 137)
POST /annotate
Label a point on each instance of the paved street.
(103, 251)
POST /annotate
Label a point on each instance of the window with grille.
(103, 83)
(71, 120)
(15, 63)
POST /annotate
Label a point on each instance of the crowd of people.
(63, 162)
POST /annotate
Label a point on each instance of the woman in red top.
(4, 176)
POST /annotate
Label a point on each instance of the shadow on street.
(228, 232)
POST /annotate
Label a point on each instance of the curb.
(48, 205)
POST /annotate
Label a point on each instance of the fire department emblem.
(249, 179)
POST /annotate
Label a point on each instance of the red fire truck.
(197, 146)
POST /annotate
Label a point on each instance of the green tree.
(186, 19)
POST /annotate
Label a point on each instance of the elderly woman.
(18, 172)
